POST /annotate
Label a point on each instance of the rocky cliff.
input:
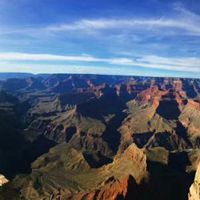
(3, 180)
(194, 193)
(64, 173)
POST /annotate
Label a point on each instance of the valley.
(87, 137)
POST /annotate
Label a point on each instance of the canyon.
(65, 136)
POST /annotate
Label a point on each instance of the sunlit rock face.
(3, 180)
(194, 193)
(64, 173)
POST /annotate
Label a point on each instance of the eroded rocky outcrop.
(3, 180)
(64, 173)
(190, 117)
(194, 193)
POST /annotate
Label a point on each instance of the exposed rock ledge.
(78, 181)
(194, 193)
(3, 180)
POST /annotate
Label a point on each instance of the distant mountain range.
(4, 76)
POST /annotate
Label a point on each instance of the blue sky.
(128, 37)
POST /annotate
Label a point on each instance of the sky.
(122, 37)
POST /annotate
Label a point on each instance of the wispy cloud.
(182, 22)
(89, 25)
(44, 57)
(189, 64)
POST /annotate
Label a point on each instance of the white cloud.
(183, 22)
(44, 57)
(188, 64)
(90, 25)
(113, 23)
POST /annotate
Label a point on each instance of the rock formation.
(194, 193)
(3, 180)
(63, 172)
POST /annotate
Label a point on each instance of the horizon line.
(100, 74)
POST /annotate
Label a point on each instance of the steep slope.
(3, 180)
(195, 188)
(150, 124)
(190, 117)
(64, 173)
(15, 147)
(84, 123)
